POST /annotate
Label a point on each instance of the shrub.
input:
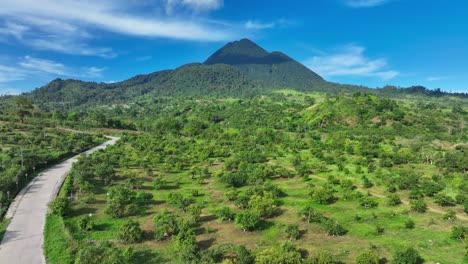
(130, 232)
(165, 225)
(59, 206)
(333, 228)
(418, 206)
(459, 232)
(407, 256)
(86, 223)
(409, 224)
(444, 200)
(368, 202)
(292, 230)
(322, 257)
(367, 257)
(393, 199)
(450, 215)
(247, 220)
(225, 214)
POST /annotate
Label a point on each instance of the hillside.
(240, 68)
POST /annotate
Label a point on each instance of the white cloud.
(115, 16)
(258, 25)
(94, 72)
(350, 61)
(365, 3)
(46, 66)
(10, 74)
(438, 78)
(196, 5)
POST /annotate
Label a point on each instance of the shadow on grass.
(207, 243)
(264, 225)
(208, 218)
(102, 227)
(146, 256)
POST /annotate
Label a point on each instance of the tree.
(59, 206)
(409, 224)
(444, 200)
(165, 225)
(459, 232)
(130, 232)
(225, 214)
(323, 195)
(247, 220)
(186, 245)
(287, 253)
(119, 200)
(367, 201)
(105, 172)
(311, 215)
(178, 200)
(86, 223)
(333, 228)
(23, 107)
(244, 256)
(194, 211)
(393, 199)
(322, 257)
(418, 205)
(264, 204)
(407, 255)
(292, 230)
(102, 253)
(367, 257)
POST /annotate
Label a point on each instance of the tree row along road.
(24, 237)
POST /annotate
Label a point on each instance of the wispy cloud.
(196, 5)
(350, 61)
(116, 16)
(438, 78)
(365, 3)
(258, 25)
(28, 66)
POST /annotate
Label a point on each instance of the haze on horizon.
(364, 42)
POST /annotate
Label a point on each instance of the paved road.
(24, 237)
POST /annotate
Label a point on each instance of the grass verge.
(58, 243)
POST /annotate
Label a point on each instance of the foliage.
(367, 257)
(407, 256)
(130, 232)
(59, 206)
(247, 220)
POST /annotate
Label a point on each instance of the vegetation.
(216, 165)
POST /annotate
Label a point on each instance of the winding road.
(24, 237)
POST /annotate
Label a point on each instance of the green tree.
(119, 200)
(418, 205)
(407, 255)
(102, 253)
(165, 225)
(130, 232)
(459, 232)
(393, 199)
(225, 214)
(59, 206)
(367, 257)
(292, 230)
(322, 257)
(264, 204)
(23, 107)
(247, 220)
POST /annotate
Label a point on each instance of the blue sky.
(368, 42)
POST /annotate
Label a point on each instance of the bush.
(393, 199)
(59, 206)
(323, 257)
(418, 206)
(450, 215)
(247, 220)
(333, 228)
(225, 214)
(165, 225)
(409, 224)
(459, 232)
(368, 202)
(86, 223)
(292, 230)
(323, 195)
(311, 215)
(103, 253)
(444, 200)
(367, 257)
(407, 256)
(130, 232)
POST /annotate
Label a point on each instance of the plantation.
(286, 177)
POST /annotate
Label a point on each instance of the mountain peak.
(244, 51)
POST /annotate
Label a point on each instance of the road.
(24, 237)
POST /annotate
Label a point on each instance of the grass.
(431, 236)
(58, 243)
(3, 226)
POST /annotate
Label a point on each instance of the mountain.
(274, 69)
(239, 69)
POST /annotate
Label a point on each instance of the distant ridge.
(240, 69)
